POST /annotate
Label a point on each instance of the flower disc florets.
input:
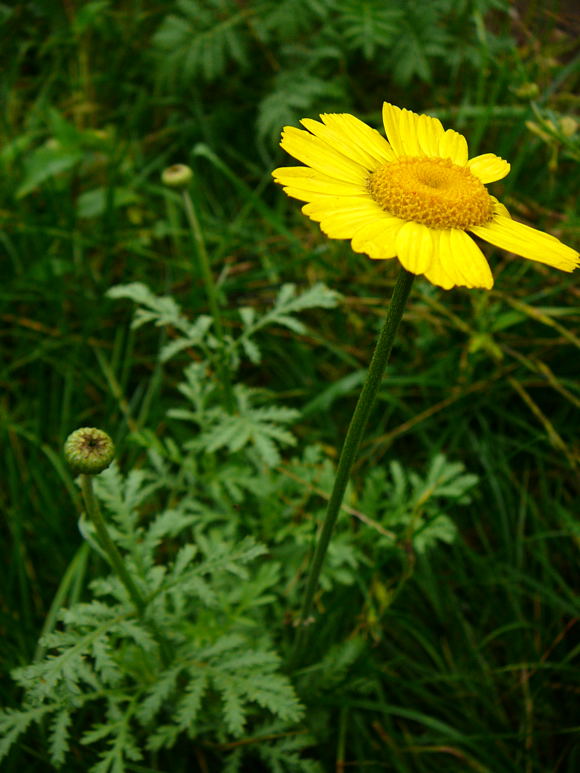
(432, 191)
(89, 450)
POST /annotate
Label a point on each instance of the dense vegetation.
(446, 628)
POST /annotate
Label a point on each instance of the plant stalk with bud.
(179, 176)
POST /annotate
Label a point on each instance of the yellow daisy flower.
(414, 197)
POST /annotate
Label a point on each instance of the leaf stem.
(212, 297)
(116, 561)
(349, 451)
(108, 545)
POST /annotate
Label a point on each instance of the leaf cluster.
(407, 40)
(398, 512)
(263, 428)
(195, 665)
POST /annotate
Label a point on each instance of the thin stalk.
(108, 545)
(212, 297)
(116, 561)
(350, 448)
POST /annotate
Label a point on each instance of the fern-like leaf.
(255, 426)
(296, 93)
(59, 737)
(368, 25)
(189, 706)
(15, 722)
(202, 39)
(163, 687)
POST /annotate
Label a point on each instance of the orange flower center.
(432, 191)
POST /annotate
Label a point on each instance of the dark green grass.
(474, 665)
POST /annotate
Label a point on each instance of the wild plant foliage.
(201, 662)
(444, 624)
(163, 311)
(261, 427)
(200, 659)
(208, 39)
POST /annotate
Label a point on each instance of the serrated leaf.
(233, 708)
(169, 350)
(189, 706)
(184, 557)
(248, 315)
(292, 324)
(15, 722)
(163, 736)
(168, 524)
(257, 426)
(440, 529)
(201, 40)
(58, 739)
(97, 733)
(251, 350)
(157, 694)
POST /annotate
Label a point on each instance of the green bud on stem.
(177, 176)
(89, 450)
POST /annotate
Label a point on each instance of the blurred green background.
(97, 98)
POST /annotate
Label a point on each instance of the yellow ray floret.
(414, 195)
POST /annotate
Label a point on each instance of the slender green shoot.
(212, 297)
(354, 434)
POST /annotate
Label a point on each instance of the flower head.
(89, 450)
(415, 196)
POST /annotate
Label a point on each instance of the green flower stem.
(108, 545)
(212, 297)
(350, 448)
(116, 561)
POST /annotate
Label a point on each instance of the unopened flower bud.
(568, 125)
(177, 176)
(89, 450)
(527, 90)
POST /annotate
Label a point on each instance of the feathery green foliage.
(444, 632)
(219, 663)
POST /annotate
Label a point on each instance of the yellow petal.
(309, 179)
(463, 261)
(342, 225)
(528, 242)
(381, 223)
(339, 142)
(417, 135)
(415, 247)
(499, 208)
(304, 194)
(366, 137)
(391, 115)
(377, 239)
(320, 156)
(408, 132)
(488, 168)
(429, 134)
(328, 204)
(306, 184)
(436, 272)
(383, 250)
(454, 146)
